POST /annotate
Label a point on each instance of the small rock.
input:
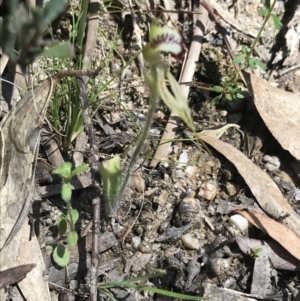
(272, 163)
(240, 222)
(135, 242)
(220, 265)
(230, 189)
(191, 242)
(183, 158)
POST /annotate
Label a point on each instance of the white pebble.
(190, 242)
(184, 158)
(273, 163)
(135, 242)
(240, 222)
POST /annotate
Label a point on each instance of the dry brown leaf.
(280, 233)
(261, 185)
(20, 133)
(280, 111)
(34, 286)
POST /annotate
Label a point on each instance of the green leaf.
(72, 238)
(244, 49)
(251, 63)
(61, 255)
(62, 225)
(66, 192)
(268, 4)
(64, 170)
(259, 63)
(263, 12)
(52, 10)
(111, 176)
(63, 50)
(239, 95)
(276, 21)
(239, 58)
(215, 100)
(218, 89)
(228, 96)
(79, 169)
(73, 213)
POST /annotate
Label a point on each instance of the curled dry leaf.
(280, 111)
(280, 233)
(261, 185)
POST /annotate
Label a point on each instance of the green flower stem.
(267, 17)
(138, 148)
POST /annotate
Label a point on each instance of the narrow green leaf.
(72, 238)
(259, 63)
(228, 96)
(52, 10)
(218, 89)
(79, 169)
(66, 192)
(251, 63)
(215, 100)
(239, 58)
(263, 12)
(276, 21)
(73, 213)
(63, 50)
(61, 255)
(244, 49)
(111, 176)
(268, 4)
(62, 225)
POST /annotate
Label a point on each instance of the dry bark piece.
(280, 233)
(14, 275)
(280, 111)
(261, 278)
(261, 185)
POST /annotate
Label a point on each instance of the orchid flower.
(166, 39)
(161, 39)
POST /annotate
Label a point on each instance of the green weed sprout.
(61, 254)
(162, 39)
(132, 283)
(245, 58)
(230, 87)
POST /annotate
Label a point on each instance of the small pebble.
(190, 242)
(273, 163)
(240, 222)
(135, 242)
(183, 158)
